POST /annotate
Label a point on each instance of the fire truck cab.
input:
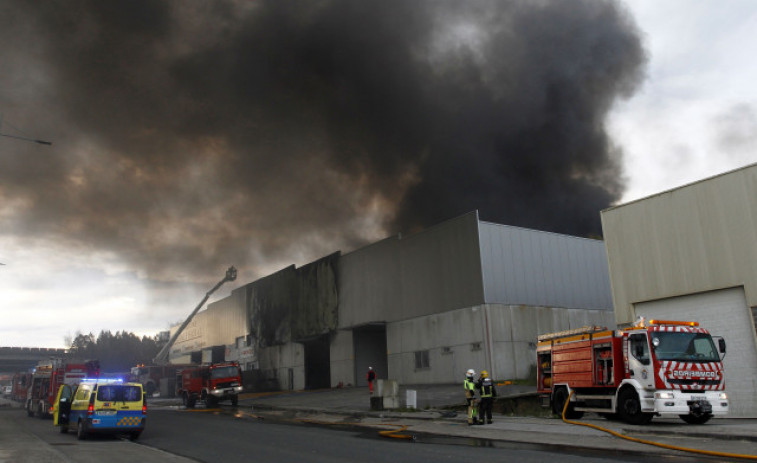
(655, 368)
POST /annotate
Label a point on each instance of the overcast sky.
(190, 136)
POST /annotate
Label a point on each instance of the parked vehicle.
(103, 406)
(151, 376)
(20, 385)
(211, 384)
(47, 378)
(666, 368)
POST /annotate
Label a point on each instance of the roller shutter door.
(723, 313)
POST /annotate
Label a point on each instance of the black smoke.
(189, 135)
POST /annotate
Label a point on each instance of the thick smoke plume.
(188, 135)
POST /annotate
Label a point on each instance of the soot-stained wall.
(294, 304)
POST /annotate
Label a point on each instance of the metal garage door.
(723, 313)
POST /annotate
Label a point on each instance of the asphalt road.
(231, 436)
(237, 436)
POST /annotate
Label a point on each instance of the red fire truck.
(660, 367)
(151, 376)
(48, 377)
(20, 385)
(211, 384)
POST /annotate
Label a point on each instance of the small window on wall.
(421, 360)
(754, 316)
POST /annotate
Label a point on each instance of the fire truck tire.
(629, 408)
(561, 395)
(234, 400)
(695, 419)
(81, 430)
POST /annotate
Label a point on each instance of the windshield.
(224, 372)
(119, 393)
(684, 347)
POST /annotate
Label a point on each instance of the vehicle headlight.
(723, 396)
(664, 395)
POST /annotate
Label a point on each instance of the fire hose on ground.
(648, 442)
(391, 433)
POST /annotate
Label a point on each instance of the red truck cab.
(211, 384)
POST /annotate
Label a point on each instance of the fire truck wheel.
(695, 419)
(561, 395)
(629, 408)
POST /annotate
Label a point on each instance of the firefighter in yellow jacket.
(469, 385)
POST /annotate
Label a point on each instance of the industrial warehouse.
(419, 309)
(466, 293)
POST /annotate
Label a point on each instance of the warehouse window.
(421, 360)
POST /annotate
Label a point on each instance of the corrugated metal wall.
(433, 271)
(695, 238)
(536, 268)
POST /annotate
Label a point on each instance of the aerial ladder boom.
(162, 357)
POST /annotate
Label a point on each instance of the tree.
(116, 352)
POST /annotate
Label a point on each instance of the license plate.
(106, 412)
(698, 397)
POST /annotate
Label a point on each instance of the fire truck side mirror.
(721, 345)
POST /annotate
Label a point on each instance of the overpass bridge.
(13, 359)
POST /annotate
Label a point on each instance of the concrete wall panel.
(342, 359)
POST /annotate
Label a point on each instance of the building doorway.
(317, 363)
(370, 351)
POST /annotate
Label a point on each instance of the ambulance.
(102, 406)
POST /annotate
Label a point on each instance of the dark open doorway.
(370, 351)
(317, 363)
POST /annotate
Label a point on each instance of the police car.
(108, 406)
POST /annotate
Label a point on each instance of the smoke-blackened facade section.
(317, 311)
(294, 304)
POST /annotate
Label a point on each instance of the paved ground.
(352, 406)
(433, 417)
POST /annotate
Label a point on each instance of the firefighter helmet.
(484, 374)
(470, 373)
